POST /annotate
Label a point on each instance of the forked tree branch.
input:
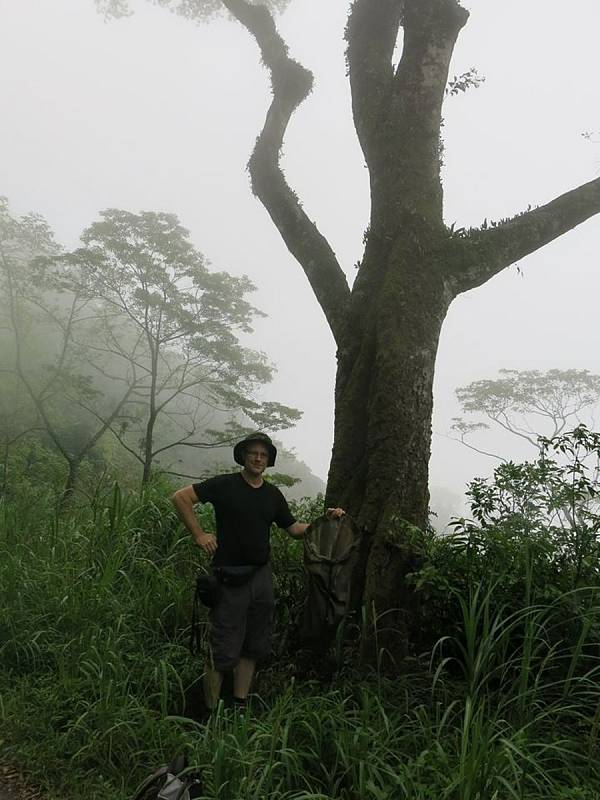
(462, 440)
(291, 83)
(488, 251)
(371, 33)
(431, 28)
(397, 114)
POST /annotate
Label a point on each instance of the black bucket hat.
(239, 449)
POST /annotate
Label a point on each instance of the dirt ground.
(13, 787)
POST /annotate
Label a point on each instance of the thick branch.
(462, 440)
(403, 139)
(124, 444)
(197, 445)
(371, 34)
(431, 28)
(488, 251)
(9, 442)
(291, 83)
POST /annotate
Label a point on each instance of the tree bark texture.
(387, 326)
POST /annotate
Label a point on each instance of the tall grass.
(94, 674)
(526, 701)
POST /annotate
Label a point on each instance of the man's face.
(256, 458)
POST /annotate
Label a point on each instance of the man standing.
(245, 507)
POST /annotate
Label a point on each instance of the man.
(245, 507)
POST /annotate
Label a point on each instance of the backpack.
(175, 781)
(331, 552)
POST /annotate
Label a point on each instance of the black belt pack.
(207, 589)
(235, 576)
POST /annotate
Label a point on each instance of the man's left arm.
(298, 529)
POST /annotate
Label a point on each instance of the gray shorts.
(242, 621)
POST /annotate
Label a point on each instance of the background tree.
(176, 323)
(48, 328)
(148, 352)
(528, 404)
(387, 325)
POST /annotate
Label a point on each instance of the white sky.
(152, 112)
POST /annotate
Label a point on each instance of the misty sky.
(152, 112)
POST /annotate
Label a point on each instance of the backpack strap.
(195, 633)
(178, 764)
(147, 783)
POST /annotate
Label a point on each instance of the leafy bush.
(533, 536)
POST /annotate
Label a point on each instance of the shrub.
(534, 536)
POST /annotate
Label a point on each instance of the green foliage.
(95, 673)
(518, 685)
(534, 535)
(462, 83)
(81, 597)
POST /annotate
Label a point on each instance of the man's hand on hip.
(208, 542)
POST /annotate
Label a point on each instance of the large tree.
(387, 325)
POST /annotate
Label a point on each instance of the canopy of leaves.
(146, 268)
(198, 10)
(529, 403)
(24, 238)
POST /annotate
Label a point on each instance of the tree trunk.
(148, 445)
(154, 347)
(382, 440)
(69, 487)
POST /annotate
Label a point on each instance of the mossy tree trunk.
(388, 324)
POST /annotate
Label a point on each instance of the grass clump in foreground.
(95, 671)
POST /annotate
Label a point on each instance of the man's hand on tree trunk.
(335, 513)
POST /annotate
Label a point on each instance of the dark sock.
(239, 701)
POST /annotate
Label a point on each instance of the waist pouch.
(235, 576)
(207, 589)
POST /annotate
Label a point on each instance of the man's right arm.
(184, 501)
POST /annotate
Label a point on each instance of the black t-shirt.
(244, 516)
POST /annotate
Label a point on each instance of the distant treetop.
(191, 9)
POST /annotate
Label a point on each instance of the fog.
(153, 112)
